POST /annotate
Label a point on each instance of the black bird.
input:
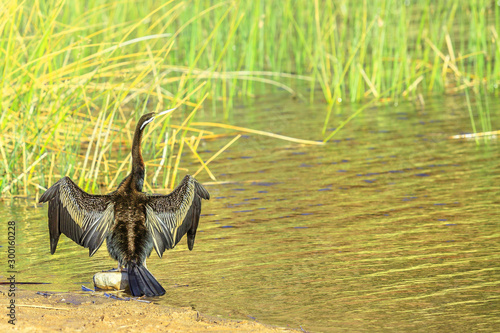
(131, 221)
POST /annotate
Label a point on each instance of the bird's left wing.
(169, 217)
(83, 217)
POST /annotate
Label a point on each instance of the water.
(390, 226)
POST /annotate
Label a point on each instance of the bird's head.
(149, 117)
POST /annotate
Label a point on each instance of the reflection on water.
(391, 225)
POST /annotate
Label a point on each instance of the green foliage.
(69, 65)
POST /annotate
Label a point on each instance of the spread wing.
(169, 217)
(83, 217)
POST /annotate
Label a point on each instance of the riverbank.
(94, 312)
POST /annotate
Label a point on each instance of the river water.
(392, 225)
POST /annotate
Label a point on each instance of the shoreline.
(94, 312)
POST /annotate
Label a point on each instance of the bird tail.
(142, 282)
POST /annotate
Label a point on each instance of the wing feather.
(83, 217)
(169, 217)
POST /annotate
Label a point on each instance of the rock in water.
(111, 280)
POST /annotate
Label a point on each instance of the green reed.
(76, 75)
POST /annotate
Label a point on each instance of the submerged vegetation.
(76, 75)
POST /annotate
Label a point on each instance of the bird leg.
(120, 268)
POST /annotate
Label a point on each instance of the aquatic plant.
(77, 74)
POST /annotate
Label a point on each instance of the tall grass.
(76, 75)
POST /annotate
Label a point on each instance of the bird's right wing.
(83, 217)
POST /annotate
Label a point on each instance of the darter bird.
(131, 221)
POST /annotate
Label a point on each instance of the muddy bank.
(93, 312)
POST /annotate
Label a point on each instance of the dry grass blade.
(217, 154)
(492, 134)
(41, 307)
(204, 165)
(269, 134)
(163, 158)
(126, 161)
(443, 57)
(368, 81)
(176, 165)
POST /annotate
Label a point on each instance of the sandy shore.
(93, 312)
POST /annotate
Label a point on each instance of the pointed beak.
(155, 116)
(164, 112)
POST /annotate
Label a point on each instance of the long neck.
(138, 168)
